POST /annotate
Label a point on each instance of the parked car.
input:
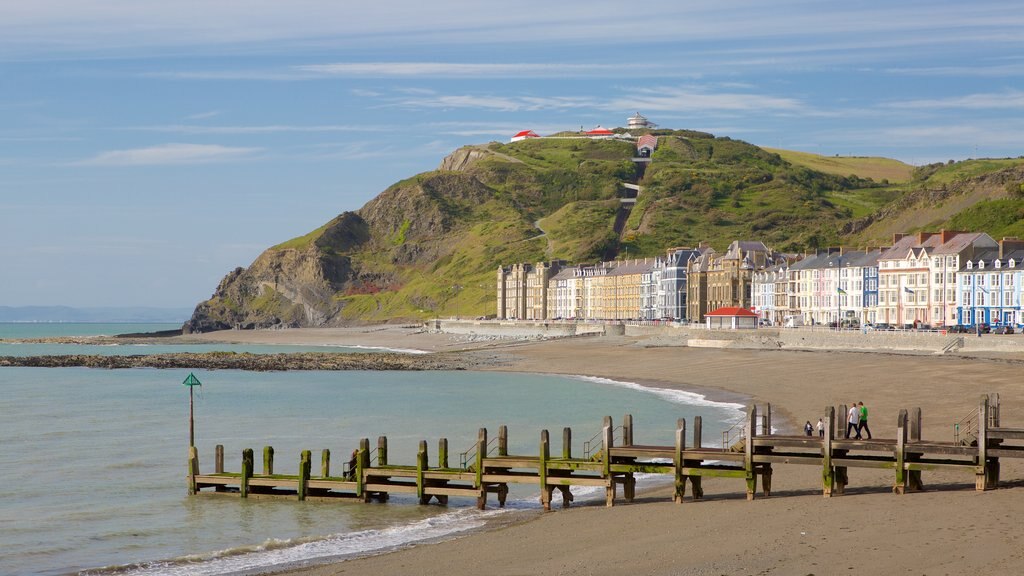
(958, 329)
(882, 326)
(982, 328)
(1003, 330)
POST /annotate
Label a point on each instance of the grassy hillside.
(430, 245)
(873, 167)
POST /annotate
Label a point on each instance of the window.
(938, 295)
(966, 299)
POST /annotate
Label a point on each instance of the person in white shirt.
(853, 421)
(821, 428)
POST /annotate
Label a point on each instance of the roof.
(647, 141)
(600, 131)
(732, 311)
(526, 134)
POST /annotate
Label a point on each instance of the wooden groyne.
(611, 460)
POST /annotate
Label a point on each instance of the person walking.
(863, 415)
(853, 421)
(808, 429)
(821, 428)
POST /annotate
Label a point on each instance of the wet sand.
(948, 529)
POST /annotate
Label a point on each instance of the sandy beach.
(947, 529)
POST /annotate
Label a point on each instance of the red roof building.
(731, 318)
(523, 135)
(600, 132)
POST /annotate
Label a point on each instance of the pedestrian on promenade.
(808, 429)
(864, 419)
(821, 428)
(853, 421)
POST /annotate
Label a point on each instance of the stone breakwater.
(254, 362)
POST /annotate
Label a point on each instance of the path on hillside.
(628, 194)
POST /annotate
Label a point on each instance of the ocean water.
(94, 461)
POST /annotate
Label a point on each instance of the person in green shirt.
(863, 426)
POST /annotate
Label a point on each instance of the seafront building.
(924, 280)
(917, 276)
(990, 287)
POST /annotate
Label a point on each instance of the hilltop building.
(645, 145)
(636, 121)
(599, 132)
(523, 135)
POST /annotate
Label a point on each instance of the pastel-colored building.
(990, 286)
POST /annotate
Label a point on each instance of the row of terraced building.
(933, 279)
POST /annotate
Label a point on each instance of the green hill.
(429, 245)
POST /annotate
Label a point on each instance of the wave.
(381, 348)
(675, 396)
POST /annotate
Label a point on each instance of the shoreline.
(794, 531)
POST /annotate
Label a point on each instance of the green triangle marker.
(192, 380)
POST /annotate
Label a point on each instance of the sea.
(93, 465)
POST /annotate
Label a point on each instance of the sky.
(147, 148)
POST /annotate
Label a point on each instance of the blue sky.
(147, 148)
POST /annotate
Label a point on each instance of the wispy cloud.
(994, 101)
(170, 154)
(203, 115)
(493, 102)
(471, 70)
(980, 70)
(264, 129)
(699, 99)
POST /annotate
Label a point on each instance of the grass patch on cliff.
(874, 167)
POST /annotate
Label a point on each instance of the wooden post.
(901, 453)
(766, 469)
(544, 454)
(362, 464)
(992, 475)
(914, 483)
(627, 430)
(382, 450)
(767, 429)
(442, 453)
(840, 476)
(421, 467)
(193, 469)
(567, 443)
(748, 451)
(268, 460)
(981, 469)
(243, 481)
(680, 491)
(304, 470)
(844, 415)
(695, 480)
(218, 459)
(606, 469)
(325, 463)
(481, 451)
(827, 471)
(502, 440)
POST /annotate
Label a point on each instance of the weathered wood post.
(628, 480)
(502, 440)
(243, 481)
(268, 460)
(607, 438)
(193, 469)
(218, 459)
(362, 465)
(840, 476)
(442, 453)
(993, 418)
(567, 443)
(544, 454)
(827, 471)
(382, 450)
(748, 451)
(680, 491)
(325, 463)
(695, 479)
(900, 485)
(981, 472)
(481, 452)
(627, 430)
(421, 468)
(305, 465)
(766, 468)
(914, 483)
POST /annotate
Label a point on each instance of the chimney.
(948, 235)
(922, 236)
(897, 237)
(1009, 244)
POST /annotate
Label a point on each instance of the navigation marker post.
(191, 382)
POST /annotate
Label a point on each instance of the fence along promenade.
(611, 459)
